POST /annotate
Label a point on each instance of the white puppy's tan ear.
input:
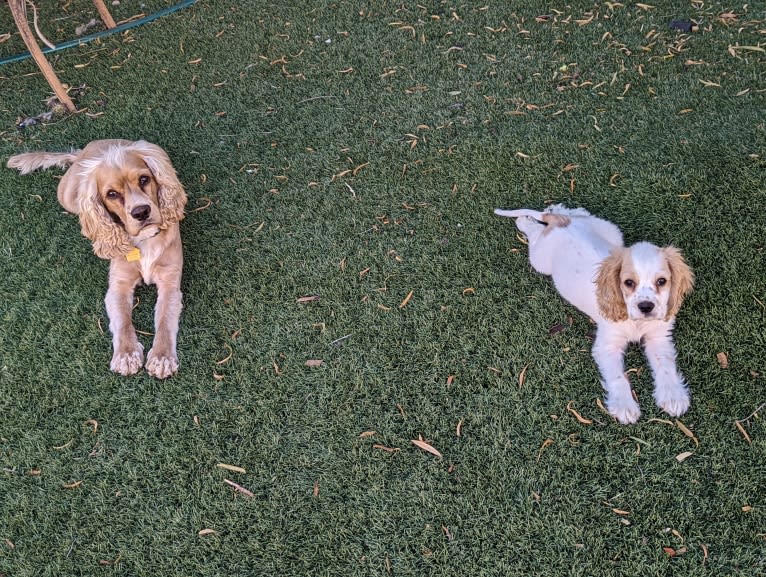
(172, 197)
(608, 290)
(681, 279)
(109, 238)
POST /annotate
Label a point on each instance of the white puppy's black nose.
(141, 212)
(646, 307)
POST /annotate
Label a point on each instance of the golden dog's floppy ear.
(172, 197)
(611, 303)
(681, 279)
(109, 238)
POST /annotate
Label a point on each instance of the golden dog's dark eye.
(662, 281)
(143, 181)
(629, 283)
(112, 194)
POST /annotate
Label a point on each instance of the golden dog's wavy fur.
(129, 201)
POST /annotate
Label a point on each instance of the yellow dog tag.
(133, 255)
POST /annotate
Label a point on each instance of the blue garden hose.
(115, 30)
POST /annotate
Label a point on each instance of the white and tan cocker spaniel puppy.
(129, 201)
(632, 293)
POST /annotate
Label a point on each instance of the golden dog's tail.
(30, 161)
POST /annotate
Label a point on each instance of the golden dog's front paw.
(128, 362)
(161, 366)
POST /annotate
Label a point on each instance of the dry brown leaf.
(227, 358)
(314, 363)
(733, 49)
(366, 434)
(425, 447)
(315, 491)
(459, 428)
(233, 468)
(620, 512)
(204, 532)
(669, 551)
(746, 509)
(743, 431)
(601, 406)
(93, 423)
(406, 300)
(578, 416)
(663, 421)
(387, 449)
(308, 299)
(75, 485)
(723, 360)
(681, 457)
(687, 432)
(546, 443)
(523, 376)
(206, 200)
(557, 328)
(469, 291)
(238, 488)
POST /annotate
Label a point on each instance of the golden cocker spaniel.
(129, 201)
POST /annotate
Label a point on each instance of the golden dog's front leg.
(162, 360)
(128, 356)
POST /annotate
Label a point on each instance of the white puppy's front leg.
(609, 354)
(670, 392)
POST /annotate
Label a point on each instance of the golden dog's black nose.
(646, 307)
(141, 212)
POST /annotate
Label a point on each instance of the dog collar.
(133, 255)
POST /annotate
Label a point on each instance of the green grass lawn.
(355, 151)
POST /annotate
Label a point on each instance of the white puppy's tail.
(536, 214)
(553, 216)
(30, 161)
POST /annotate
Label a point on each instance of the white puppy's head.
(643, 282)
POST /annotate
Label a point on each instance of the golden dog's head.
(127, 192)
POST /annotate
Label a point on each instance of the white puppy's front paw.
(624, 409)
(160, 366)
(674, 400)
(128, 362)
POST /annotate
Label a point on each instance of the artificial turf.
(354, 152)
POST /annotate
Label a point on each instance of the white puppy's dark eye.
(662, 281)
(112, 194)
(629, 283)
(143, 181)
